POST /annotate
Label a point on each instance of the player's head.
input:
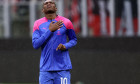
(49, 6)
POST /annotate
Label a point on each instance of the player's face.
(49, 6)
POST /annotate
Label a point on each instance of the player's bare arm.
(54, 26)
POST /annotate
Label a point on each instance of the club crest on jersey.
(44, 28)
(58, 32)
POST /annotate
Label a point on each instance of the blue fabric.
(52, 60)
(55, 77)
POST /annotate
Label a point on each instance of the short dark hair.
(46, 0)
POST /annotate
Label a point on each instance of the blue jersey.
(51, 59)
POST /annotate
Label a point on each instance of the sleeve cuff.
(66, 46)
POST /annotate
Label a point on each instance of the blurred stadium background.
(108, 49)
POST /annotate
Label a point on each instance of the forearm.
(37, 42)
(72, 39)
(71, 43)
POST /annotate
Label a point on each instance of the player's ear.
(42, 10)
(55, 9)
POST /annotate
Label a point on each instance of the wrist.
(51, 29)
(64, 47)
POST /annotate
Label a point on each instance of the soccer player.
(50, 33)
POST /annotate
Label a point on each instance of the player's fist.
(54, 26)
(60, 47)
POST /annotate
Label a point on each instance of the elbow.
(35, 46)
(75, 41)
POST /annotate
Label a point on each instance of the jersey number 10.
(63, 80)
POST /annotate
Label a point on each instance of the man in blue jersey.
(50, 33)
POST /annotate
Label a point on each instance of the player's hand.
(54, 26)
(60, 47)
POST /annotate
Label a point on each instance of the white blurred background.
(91, 18)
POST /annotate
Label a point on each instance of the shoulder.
(40, 20)
(66, 21)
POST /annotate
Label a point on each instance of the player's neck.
(51, 16)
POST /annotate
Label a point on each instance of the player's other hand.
(54, 26)
(60, 47)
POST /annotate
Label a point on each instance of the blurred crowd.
(98, 13)
(98, 16)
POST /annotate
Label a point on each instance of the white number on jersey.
(64, 80)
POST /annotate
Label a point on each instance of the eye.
(51, 2)
(46, 3)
